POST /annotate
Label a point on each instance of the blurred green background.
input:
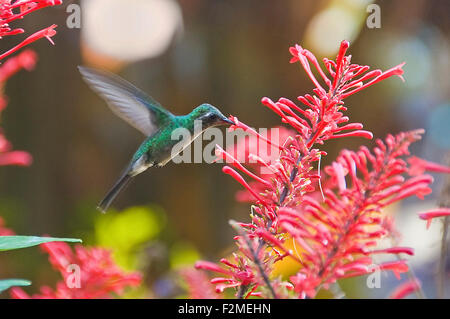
(183, 53)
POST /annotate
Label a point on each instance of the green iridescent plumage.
(149, 117)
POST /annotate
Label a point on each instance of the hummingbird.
(149, 117)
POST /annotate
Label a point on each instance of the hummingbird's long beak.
(227, 120)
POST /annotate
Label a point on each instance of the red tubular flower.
(435, 213)
(240, 179)
(24, 60)
(418, 166)
(100, 277)
(9, 157)
(394, 250)
(405, 289)
(45, 33)
(11, 10)
(3, 230)
(230, 159)
(398, 267)
(334, 219)
(18, 158)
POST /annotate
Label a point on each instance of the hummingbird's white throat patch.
(140, 165)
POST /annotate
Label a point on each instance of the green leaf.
(16, 242)
(8, 283)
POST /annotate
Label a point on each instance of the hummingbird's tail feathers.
(123, 181)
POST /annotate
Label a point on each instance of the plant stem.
(255, 258)
(241, 292)
(444, 201)
(412, 276)
(442, 260)
(410, 273)
(285, 191)
(337, 291)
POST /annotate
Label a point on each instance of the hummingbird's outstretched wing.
(127, 101)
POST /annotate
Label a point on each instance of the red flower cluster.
(235, 274)
(11, 10)
(338, 236)
(26, 60)
(334, 222)
(99, 276)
